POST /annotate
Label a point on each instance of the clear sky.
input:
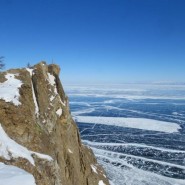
(96, 41)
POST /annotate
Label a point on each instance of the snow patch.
(43, 156)
(33, 93)
(9, 90)
(30, 71)
(101, 183)
(138, 123)
(51, 80)
(35, 101)
(59, 112)
(52, 98)
(94, 168)
(11, 175)
(10, 149)
(70, 151)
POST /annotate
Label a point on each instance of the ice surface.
(117, 155)
(10, 149)
(139, 123)
(132, 144)
(122, 172)
(11, 175)
(75, 113)
(151, 155)
(9, 90)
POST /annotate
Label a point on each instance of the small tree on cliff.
(28, 65)
(1, 63)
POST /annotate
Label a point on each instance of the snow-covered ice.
(78, 112)
(11, 175)
(131, 175)
(138, 123)
(147, 149)
(10, 149)
(89, 143)
(9, 90)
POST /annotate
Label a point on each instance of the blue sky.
(97, 41)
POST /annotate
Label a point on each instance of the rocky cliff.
(37, 132)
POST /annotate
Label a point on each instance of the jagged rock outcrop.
(37, 116)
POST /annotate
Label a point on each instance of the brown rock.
(47, 132)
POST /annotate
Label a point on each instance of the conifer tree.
(1, 63)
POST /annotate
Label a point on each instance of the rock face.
(37, 117)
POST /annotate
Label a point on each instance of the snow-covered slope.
(10, 149)
(11, 175)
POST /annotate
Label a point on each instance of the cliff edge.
(37, 132)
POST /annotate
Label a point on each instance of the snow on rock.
(11, 175)
(51, 80)
(62, 103)
(10, 149)
(94, 168)
(101, 183)
(52, 98)
(35, 101)
(138, 123)
(70, 151)
(59, 112)
(9, 90)
(30, 71)
(33, 93)
(43, 156)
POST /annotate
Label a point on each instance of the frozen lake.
(137, 132)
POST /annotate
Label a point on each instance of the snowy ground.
(11, 175)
